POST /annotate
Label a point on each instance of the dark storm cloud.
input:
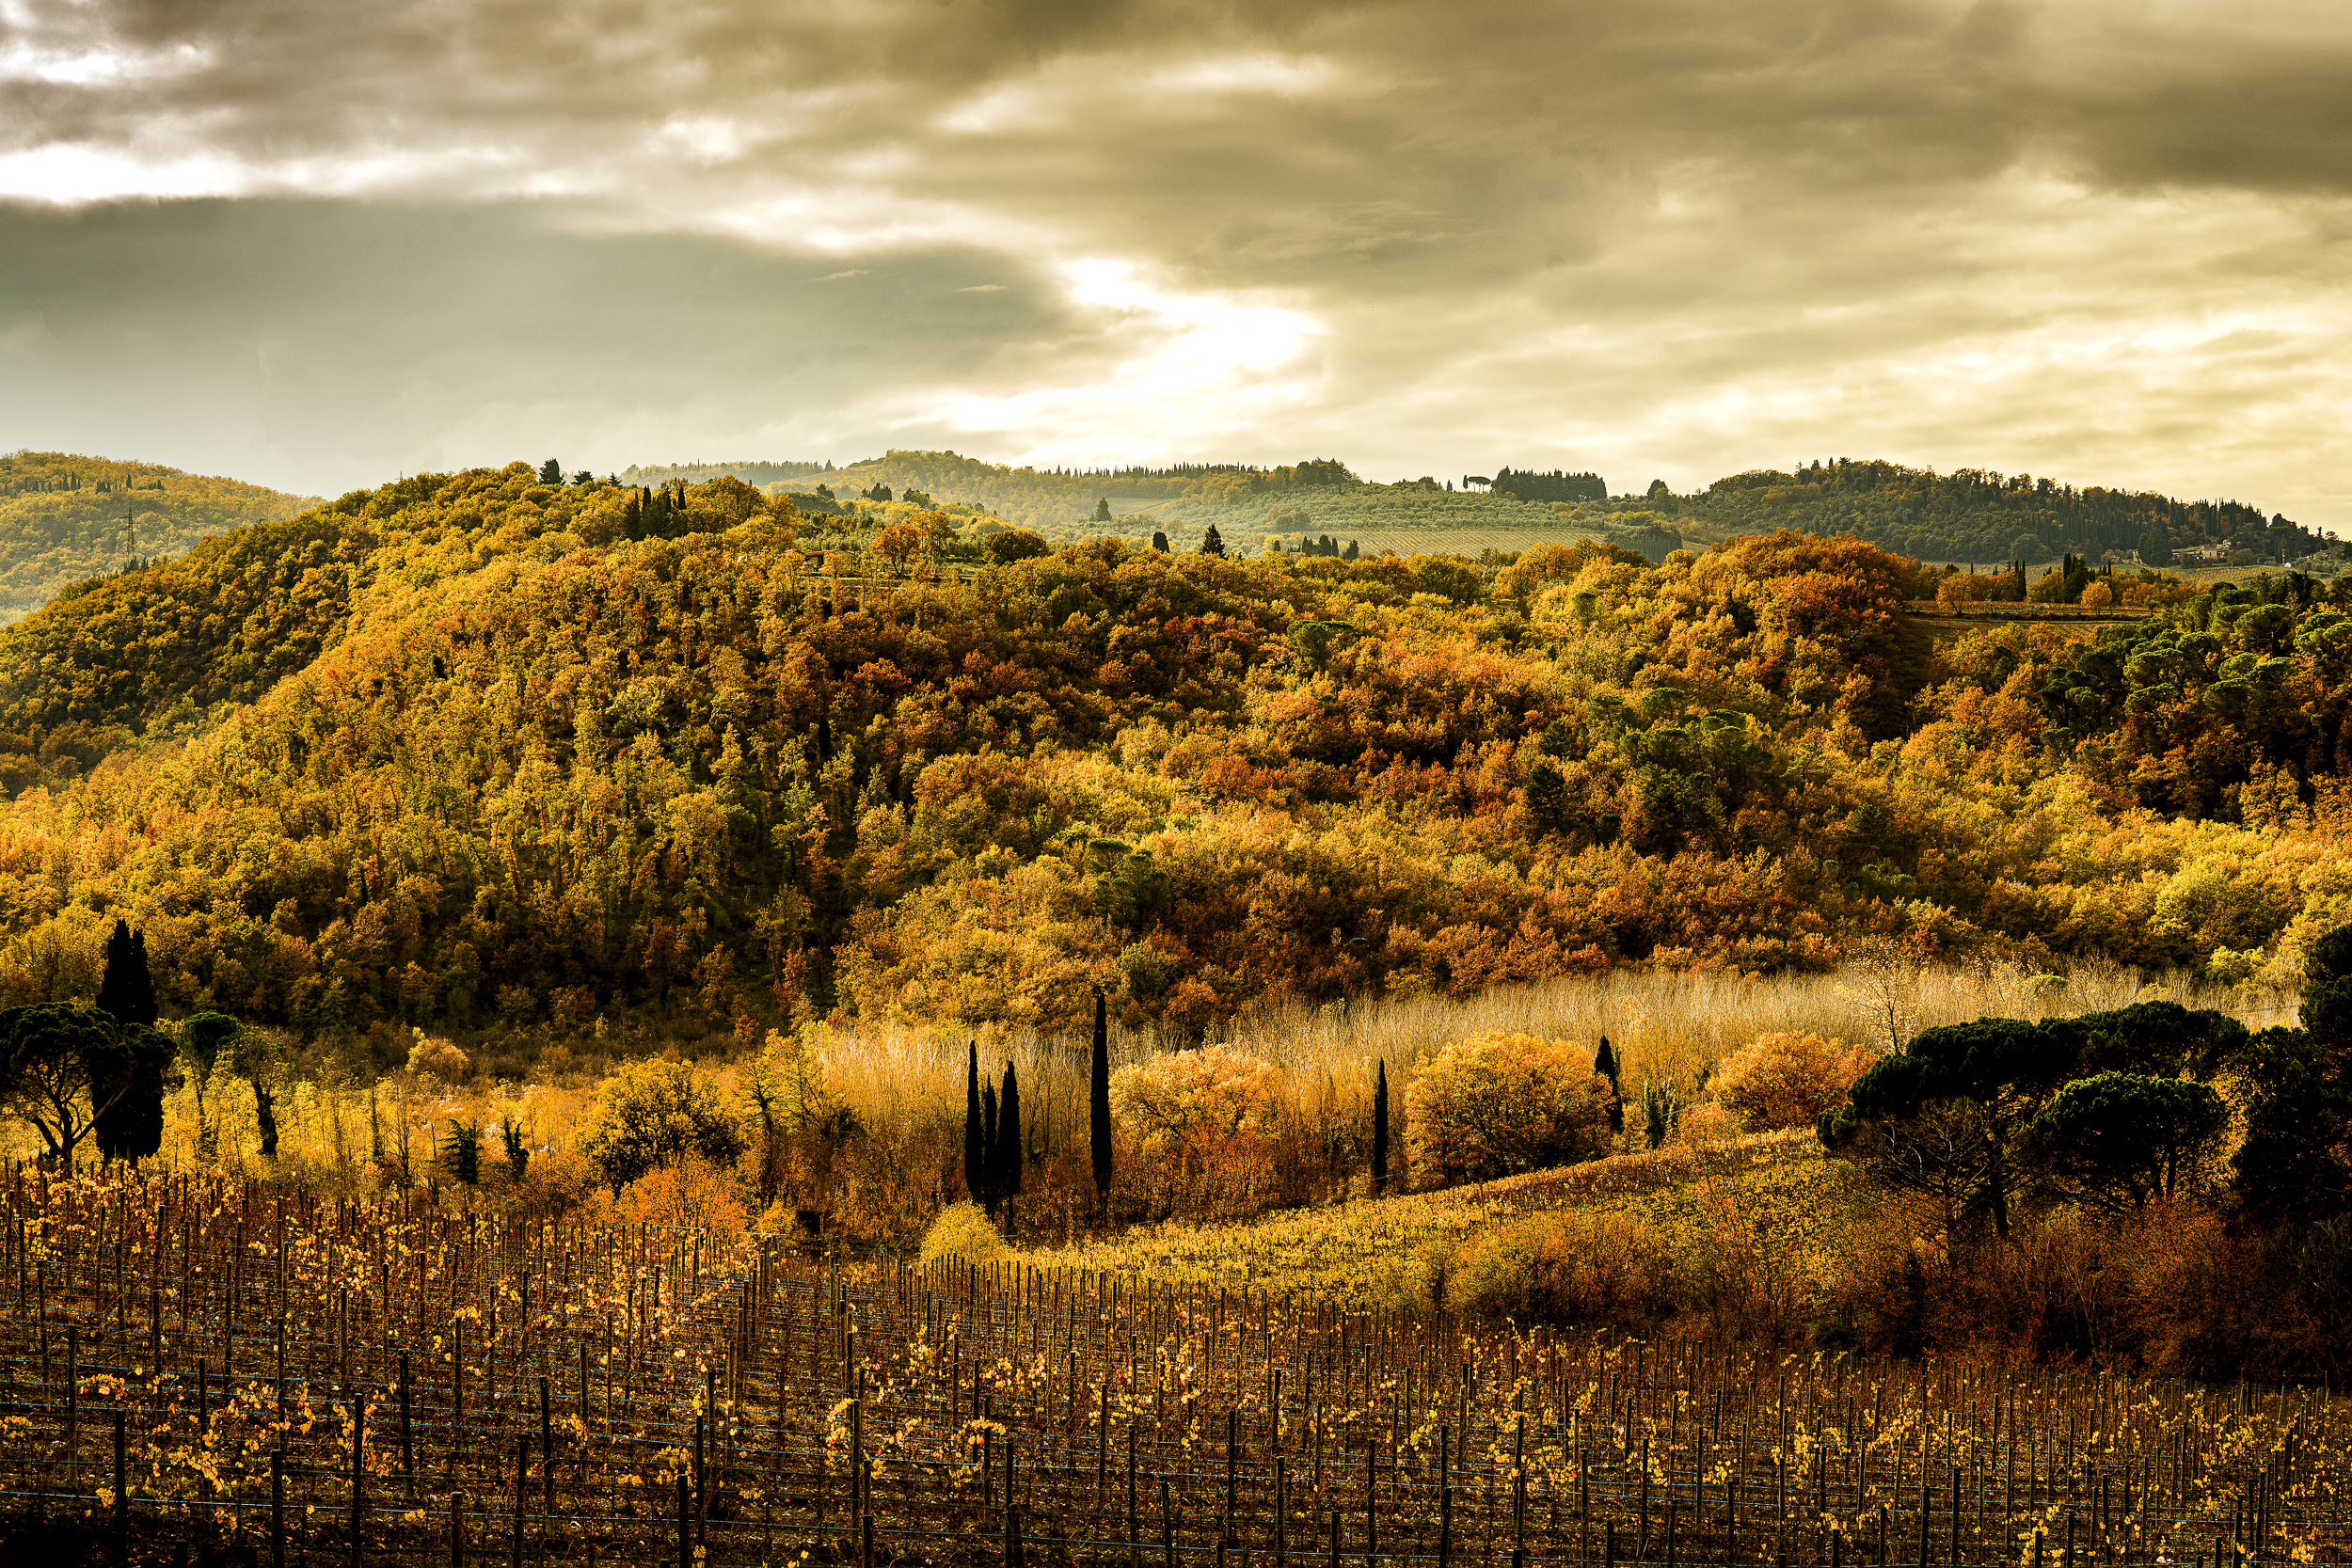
(1681, 236)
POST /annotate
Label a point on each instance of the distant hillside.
(1973, 514)
(62, 518)
(696, 473)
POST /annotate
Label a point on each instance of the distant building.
(2203, 552)
(2121, 558)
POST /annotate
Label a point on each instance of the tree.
(2002, 1069)
(1008, 1151)
(1211, 543)
(1350, 553)
(1380, 1130)
(461, 1153)
(62, 1068)
(1098, 1098)
(650, 1113)
(1014, 543)
(551, 472)
(2119, 1142)
(515, 1139)
(128, 991)
(1159, 541)
(976, 1151)
(897, 542)
(131, 1127)
(2155, 545)
(1605, 1064)
(1101, 509)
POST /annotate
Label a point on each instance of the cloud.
(2099, 239)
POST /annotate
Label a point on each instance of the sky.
(319, 247)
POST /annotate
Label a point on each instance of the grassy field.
(1370, 1251)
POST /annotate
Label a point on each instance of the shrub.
(648, 1113)
(431, 1057)
(1212, 1104)
(964, 1230)
(1566, 1267)
(1494, 1104)
(1788, 1080)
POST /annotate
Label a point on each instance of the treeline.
(462, 752)
(65, 518)
(1553, 486)
(1976, 514)
(751, 473)
(1047, 497)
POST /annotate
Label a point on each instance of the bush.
(964, 1230)
(1495, 1104)
(650, 1113)
(431, 1057)
(1567, 1267)
(1212, 1104)
(1788, 1080)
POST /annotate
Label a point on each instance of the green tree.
(1098, 1098)
(975, 1133)
(650, 1113)
(1380, 1130)
(1101, 509)
(1009, 1153)
(63, 1068)
(551, 472)
(132, 1124)
(1159, 541)
(1014, 543)
(1211, 543)
(2117, 1142)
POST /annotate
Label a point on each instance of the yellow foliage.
(1498, 1104)
(1788, 1080)
(964, 1230)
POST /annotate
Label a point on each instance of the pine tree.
(551, 472)
(1605, 1063)
(975, 1132)
(1098, 1098)
(1008, 1137)
(1101, 509)
(1211, 543)
(1380, 1131)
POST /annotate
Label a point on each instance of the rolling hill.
(65, 518)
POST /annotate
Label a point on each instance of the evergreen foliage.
(1099, 1096)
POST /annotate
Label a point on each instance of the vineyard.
(199, 1368)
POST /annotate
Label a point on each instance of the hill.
(461, 750)
(1968, 516)
(1973, 514)
(65, 518)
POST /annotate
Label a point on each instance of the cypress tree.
(130, 1125)
(1098, 1098)
(975, 1130)
(1159, 541)
(1211, 543)
(1380, 1131)
(1009, 1137)
(1605, 1063)
(127, 992)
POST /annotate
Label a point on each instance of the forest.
(65, 519)
(461, 751)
